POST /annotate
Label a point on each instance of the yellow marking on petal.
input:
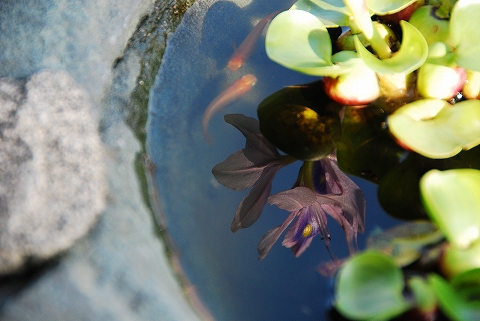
(307, 230)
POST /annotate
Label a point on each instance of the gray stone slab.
(52, 178)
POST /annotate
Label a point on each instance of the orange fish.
(237, 89)
(245, 49)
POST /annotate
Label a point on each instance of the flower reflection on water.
(321, 189)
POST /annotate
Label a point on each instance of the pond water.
(223, 266)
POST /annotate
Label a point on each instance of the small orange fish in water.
(237, 89)
(245, 49)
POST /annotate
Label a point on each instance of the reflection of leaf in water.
(302, 121)
(404, 243)
(398, 191)
(366, 149)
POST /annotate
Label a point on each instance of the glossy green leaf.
(332, 13)
(451, 200)
(383, 7)
(369, 286)
(298, 40)
(455, 305)
(465, 32)
(412, 54)
(435, 129)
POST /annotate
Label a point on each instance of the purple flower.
(255, 165)
(336, 195)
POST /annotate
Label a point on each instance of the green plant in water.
(371, 285)
(397, 104)
(442, 53)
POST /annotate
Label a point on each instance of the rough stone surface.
(120, 269)
(120, 272)
(52, 182)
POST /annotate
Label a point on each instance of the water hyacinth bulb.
(436, 81)
(456, 260)
(433, 28)
(358, 87)
(471, 89)
(408, 8)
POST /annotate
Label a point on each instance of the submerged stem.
(306, 172)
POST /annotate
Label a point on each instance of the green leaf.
(383, 7)
(423, 293)
(451, 200)
(369, 286)
(298, 40)
(465, 32)
(468, 278)
(436, 129)
(411, 56)
(332, 13)
(456, 306)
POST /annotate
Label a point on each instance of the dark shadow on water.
(13, 285)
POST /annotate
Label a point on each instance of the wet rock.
(52, 182)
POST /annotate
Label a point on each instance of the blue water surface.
(222, 265)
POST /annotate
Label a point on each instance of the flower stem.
(360, 19)
(307, 170)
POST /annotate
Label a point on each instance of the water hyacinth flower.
(330, 192)
(253, 166)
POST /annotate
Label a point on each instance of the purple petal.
(333, 175)
(321, 219)
(295, 232)
(351, 196)
(300, 247)
(313, 215)
(272, 236)
(293, 199)
(250, 128)
(251, 206)
(294, 238)
(349, 229)
(237, 172)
